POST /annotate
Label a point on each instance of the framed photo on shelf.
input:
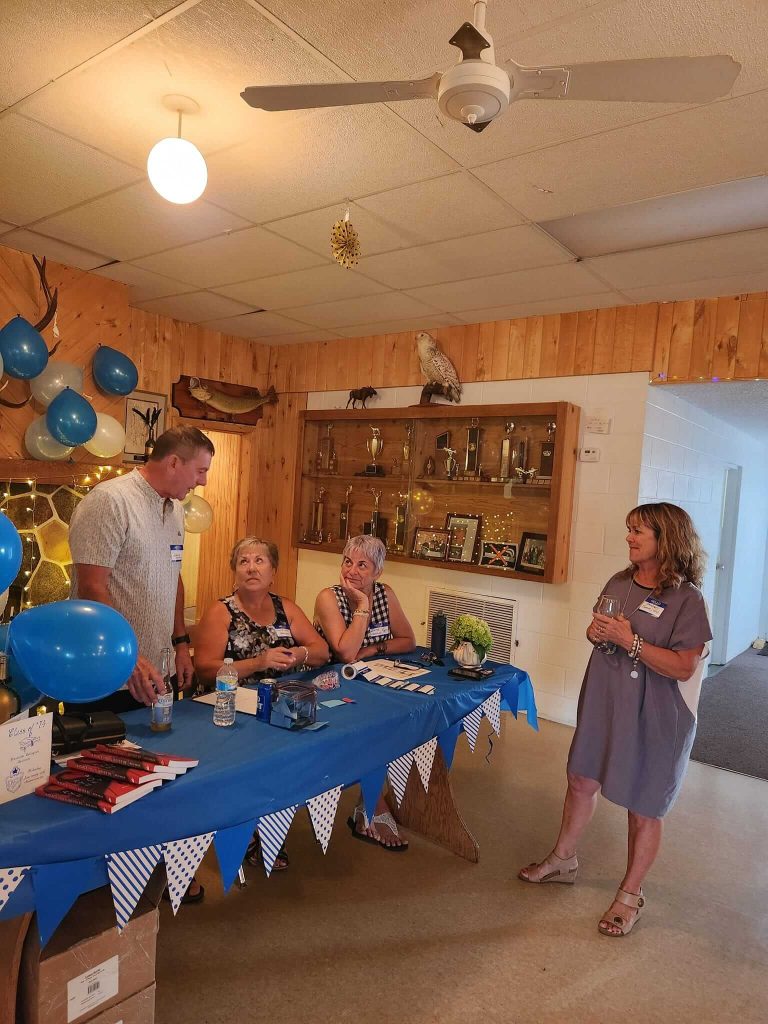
(532, 556)
(463, 535)
(144, 421)
(429, 544)
(499, 554)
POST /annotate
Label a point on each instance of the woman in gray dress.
(637, 708)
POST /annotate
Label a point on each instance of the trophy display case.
(485, 489)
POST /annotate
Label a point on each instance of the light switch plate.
(589, 455)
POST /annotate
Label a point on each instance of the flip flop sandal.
(384, 819)
(629, 899)
(562, 871)
(254, 858)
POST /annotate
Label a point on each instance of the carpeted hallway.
(733, 717)
(424, 937)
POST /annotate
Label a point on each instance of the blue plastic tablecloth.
(245, 771)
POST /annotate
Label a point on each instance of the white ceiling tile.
(637, 162)
(258, 325)
(322, 158)
(143, 285)
(236, 256)
(347, 312)
(5, 226)
(721, 256)
(135, 221)
(43, 172)
(70, 255)
(314, 229)
(319, 284)
(419, 323)
(541, 307)
(505, 289)
(195, 307)
(708, 288)
(741, 404)
(296, 339)
(492, 252)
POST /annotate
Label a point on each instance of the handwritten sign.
(25, 755)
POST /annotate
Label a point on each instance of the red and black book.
(68, 796)
(111, 790)
(174, 761)
(116, 757)
(122, 772)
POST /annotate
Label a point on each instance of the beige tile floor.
(423, 937)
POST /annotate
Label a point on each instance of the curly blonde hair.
(680, 555)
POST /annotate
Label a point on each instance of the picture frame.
(532, 556)
(463, 536)
(499, 554)
(135, 426)
(430, 545)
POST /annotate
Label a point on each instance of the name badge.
(652, 606)
(378, 631)
(177, 550)
(282, 633)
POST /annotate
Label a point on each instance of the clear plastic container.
(226, 694)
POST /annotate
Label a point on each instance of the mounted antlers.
(51, 298)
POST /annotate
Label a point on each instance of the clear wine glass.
(610, 606)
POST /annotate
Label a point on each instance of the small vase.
(466, 655)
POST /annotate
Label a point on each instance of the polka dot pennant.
(9, 880)
(472, 726)
(492, 711)
(182, 858)
(273, 828)
(322, 811)
(398, 772)
(423, 757)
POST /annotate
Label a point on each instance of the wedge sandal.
(628, 899)
(560, 870)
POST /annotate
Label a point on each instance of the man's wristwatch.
(176, 640)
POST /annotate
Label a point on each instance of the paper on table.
(246, 700)
(389, 667)
(25, 755)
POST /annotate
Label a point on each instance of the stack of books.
(111, 776)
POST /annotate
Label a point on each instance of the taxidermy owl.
(442, 378)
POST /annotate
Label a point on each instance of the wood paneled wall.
(214, 576)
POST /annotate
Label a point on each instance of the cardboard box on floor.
(136, 1009)
(88, 966)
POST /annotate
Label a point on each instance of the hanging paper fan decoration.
(345, 244)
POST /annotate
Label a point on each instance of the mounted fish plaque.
(197, 398)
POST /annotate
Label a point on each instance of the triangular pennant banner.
(322, 811)
(371, 786)
(231, 844)
(492, 711)
(447, 742)
(526, 701)
(182, 857)
(129, 873)
(57, 886)
(9, 879)
(398, 772)
(472, 725)
(423, 757)
(273, 828)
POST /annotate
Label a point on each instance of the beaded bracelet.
(632, 652)
(361, 611)
(636, 658)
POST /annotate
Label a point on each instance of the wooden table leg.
(435, 814)
(12, 934)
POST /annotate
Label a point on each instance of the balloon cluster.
(75, 651)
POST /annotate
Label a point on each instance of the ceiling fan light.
(474, 87)
(177, 170)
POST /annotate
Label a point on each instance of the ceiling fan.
(477, 89)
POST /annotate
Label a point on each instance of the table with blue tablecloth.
(246, 772)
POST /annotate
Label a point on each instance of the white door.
(721, 608)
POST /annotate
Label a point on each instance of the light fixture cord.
(179, 135)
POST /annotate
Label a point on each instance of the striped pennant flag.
(472, 726)
(182, 858)
(322, 811)
(423, 757)
(129, 873)
(492, 711)
(273, 828)
(398, 772)
(9, 880)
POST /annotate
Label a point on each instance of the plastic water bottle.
(226, 694)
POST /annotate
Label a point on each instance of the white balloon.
(55, 377)
(198, 515)
(109, 439)
(41, 445)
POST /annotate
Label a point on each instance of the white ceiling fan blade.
(338, 94)
(655, 80)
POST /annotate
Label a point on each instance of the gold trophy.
(344, 515)
(451, 465)
(375, 446)
(407, 443)
(318, 512)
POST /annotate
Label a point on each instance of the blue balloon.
(71, 418)
(114, 372)
(24, 352)
(75, 651)
(10, 552)
(27, 691)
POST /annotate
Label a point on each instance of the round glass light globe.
(177, 170)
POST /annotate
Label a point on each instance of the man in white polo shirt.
(127, 538)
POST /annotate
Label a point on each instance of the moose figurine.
(361, 395)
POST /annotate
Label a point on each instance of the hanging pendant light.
(175, 166)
